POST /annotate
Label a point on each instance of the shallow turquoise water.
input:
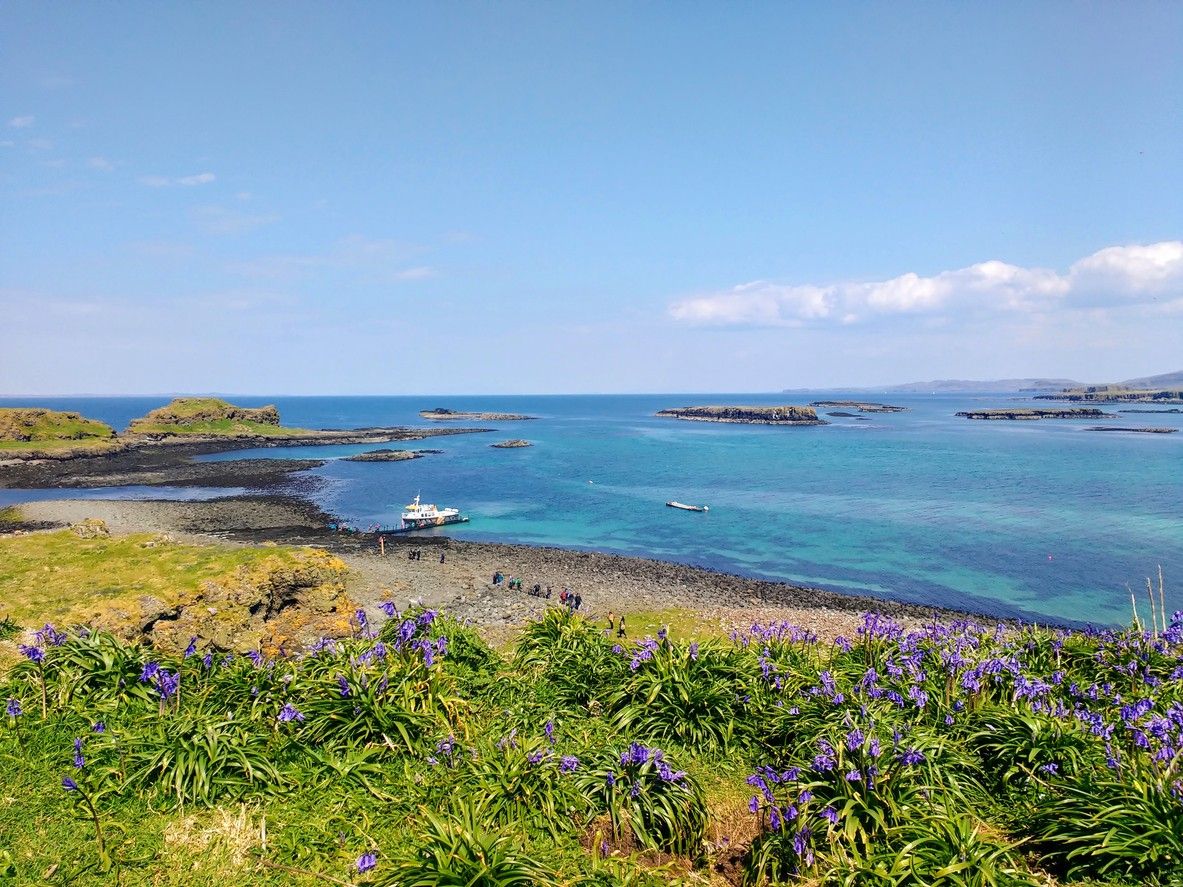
(1042, 519)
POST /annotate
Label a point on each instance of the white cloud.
(220, 220)
(100, 163)
(202, 178)
(1111, 277)
(23, 122)
(422, 272)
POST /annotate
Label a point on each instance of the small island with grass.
(32, 429)
(746, 415)
(1022, 414)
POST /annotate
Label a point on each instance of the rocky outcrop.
(1170, 410)
(1023, 414)
(391, 455)
(1116, 394)
(185, 412)
(861, 406)
(747, 415)
(515, 444)
(281, 603)
(443, 414)
(33, 424)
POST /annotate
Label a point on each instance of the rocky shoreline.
(441, 414)
(861, 406)
(460, 582)
(170, 462)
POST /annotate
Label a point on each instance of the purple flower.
(388, 608)
(830, 814)
(207, 660)
(754, 804)
(256, 657)
(365, 862)
(360, 616)
(79, 761)
(149, 671)
(289, 713)
(69, 784)
(568, 764)
(167, 683)
(694, 650)
(549, 730)
(801, 841)
(535, 757)
(34, 654)
(1050, 769)
(192, 648)
(911, 757)
(13, 710)
(854, 776)
(610, 778)
(98, 727)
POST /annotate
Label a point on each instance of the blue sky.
(471, 198)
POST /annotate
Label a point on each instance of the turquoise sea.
(1038, 519)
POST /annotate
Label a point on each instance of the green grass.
(218, 428)
(453, 763)
(55, 576)
(34, 429)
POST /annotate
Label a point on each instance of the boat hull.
(427, 523)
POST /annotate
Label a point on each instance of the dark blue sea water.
(1043, 519)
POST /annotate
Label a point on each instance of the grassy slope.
(48, 576)
(37, 429)
(219, 428)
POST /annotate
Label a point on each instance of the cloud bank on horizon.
(1150, 276)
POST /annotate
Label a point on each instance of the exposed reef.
(515, 444)
(440, 414)
(861, 406)
(1146, 430)
(747, 415)
(391, 455)
(1024, 414)
(1171, 410)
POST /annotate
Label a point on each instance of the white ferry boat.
(424, 516)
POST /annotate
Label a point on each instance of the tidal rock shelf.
(1135, 430)
(441, 414)
(781, 415)
(1028, 414)
(516, 444)
(391, 455)
(861, 406)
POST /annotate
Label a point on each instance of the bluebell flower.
(568, 764)
(13, 709)
(365, 862)
(549, 729)
(388, 608)
(98, 727)
(830, 814)
(289, 713)
(343, 686)
(192, 648)
(34, 654)
(69, 784)
(79, 761)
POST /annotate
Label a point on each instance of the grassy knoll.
(417, 755)
(56, 576)
(34, 429)
(211, 416)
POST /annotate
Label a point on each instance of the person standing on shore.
(382, 546)
(611, 621)
(620, 627)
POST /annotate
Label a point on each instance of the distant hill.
(1013, 386)
(1166, 380)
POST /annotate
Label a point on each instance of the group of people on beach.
(569, 599)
